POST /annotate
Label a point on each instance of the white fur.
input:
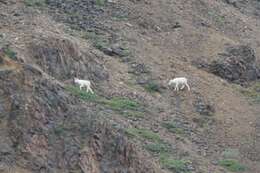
(84, 83)
(179, 81)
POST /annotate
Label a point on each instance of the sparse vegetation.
(99, 41)
(121, 104)
(143, 133)
(172, 127)
(38, 3)
(152, 87)
(82, 94)
(100, 2)
(59, 130)
(230, 153)
(133, 114)
(253, 92)
(176, 166)
(232, 165)
(157, 148)
(10, 53)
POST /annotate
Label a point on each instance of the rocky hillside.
(129, 50)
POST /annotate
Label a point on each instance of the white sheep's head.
(76, 80)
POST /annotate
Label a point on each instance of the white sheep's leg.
(90, 90)
(182, 86)
(80, 87)
(177, 86)
(187, 86)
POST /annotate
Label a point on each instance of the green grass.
(100, 2)
(119, 104)
(230, 153)
(82, 94)
(133, 114)
(152, 87)
(123, 105)
(10, 53)
(143, 133)
(98, 40)
(174, 165)
(252, 93)
(33, 3)
(101, 43)
(232, 165)
(157, 148)
(59, 130)
(172, 127)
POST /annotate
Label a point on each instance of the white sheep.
(179, 81)
(84, 83)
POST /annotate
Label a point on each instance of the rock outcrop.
(237, 65)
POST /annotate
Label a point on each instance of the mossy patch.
(252, 93)
(35, 3)
(82, 94)
(160, 147)
(174, 165)
(143, 133)
(172, 127)
(10, 53)
(232, 165)
(152, 87)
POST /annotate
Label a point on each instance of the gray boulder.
(237, 64)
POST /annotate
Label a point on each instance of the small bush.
(10, 53)
(172, 127)
(143, 133)
(100, 2)
(230, 153)
(157, 147)
(133, 114)
(252, 93)
(152, 87)
(178, 166)
(32, 3)
(120, 104)
(232, 165)
(101, 43)
(59, 130)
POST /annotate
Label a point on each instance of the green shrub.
(176, 166)
(152, 87)
(252, 93)
(172, 127)
(35, 3)
(59, 130)
(157, 147)
(230, 153)
(100, 2)
(133, 114)
(10, 53)
(120, 104)
(143, 133)
(100, 43)
(232, 165)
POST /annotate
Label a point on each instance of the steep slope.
(129, 50)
